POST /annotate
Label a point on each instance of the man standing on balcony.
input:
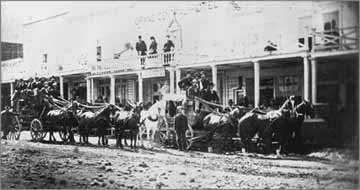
(168, 47)
(153, 46)
(141, 50)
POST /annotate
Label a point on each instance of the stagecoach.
(40, 126)
(26, 117)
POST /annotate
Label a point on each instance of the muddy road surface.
(25, 164)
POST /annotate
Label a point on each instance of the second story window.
(45, 56)
(98, 53)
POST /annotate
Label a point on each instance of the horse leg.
(134, 138)
(120, 137)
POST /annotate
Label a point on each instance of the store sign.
(151, 73)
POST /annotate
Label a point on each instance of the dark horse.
(224, 123)
(259, 122)
(287, 129)
(99, 120)
(55, 116)
(127, 119)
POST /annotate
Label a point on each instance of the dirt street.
(25, 164)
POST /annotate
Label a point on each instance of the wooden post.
(256, 83)
(214, 76)
(313, 81)
(11, 93)
(61, 86)
(306, 78)
(112, 89)
(172, 80)
(178, 78)
(88, 90)
(140, 90)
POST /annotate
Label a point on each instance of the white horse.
(149, 120)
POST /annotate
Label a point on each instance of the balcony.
(133, 63)
(336, 39)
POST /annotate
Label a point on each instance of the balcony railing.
(130, 63)
(336, 39)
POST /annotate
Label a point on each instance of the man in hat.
(181, 125)
(141, 50)
(204, 82)
(185, 83)
(168, 47)
(213, 95)
(153, 46)
(193, 89)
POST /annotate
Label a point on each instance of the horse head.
(305, 108)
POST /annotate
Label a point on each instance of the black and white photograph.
(179, 94)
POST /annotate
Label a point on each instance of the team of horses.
(282, 125)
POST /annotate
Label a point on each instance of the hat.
(139, 36)
(194, 81)
(152, 38)
(168, 36)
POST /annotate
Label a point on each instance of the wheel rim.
(162, 137)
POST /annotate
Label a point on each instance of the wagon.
(29, 118)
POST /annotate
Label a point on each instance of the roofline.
(46, 18)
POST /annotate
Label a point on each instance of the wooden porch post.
(306, 78)
(214, 76)
(140, 90)
(88, 90)
(11, 93)
(61, 81)
(112, 89)
(313, 81)
(178, 78)
(256, 83)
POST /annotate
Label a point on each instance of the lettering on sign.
(150, 73)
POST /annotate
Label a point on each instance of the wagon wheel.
(160, 137)
(64, 134)
(36, 130)
(189, 134)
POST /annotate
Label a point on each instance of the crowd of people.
(33, 86)
(199, 86)
(142, 50)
